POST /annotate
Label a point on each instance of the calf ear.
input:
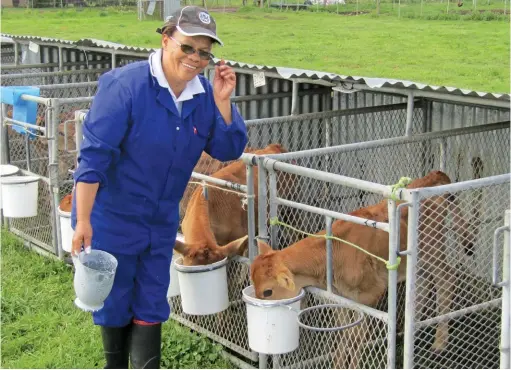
(181, 247)
(236, 247)
(263, 247)
(285, 280)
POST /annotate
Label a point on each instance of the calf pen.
(391, 335)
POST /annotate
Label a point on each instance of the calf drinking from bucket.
(359, 276)
(217, 227)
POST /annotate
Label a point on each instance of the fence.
(322, 145)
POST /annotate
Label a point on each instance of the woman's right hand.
(82, 237)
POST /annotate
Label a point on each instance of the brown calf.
(358, 276)
(217, 228)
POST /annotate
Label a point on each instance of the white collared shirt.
(192, 87)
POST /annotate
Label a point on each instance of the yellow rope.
(244, 201)
(403, 183)
(275, 221)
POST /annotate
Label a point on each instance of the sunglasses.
(187, 49)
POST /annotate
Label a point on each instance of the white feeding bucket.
(203, 288)
(174, 290)
(66, 231)
(20, 195)
(7, 170)
(272, 326)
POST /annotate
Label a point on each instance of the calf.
(217, 227)
(358, 276)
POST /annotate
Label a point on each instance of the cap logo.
(204, 17)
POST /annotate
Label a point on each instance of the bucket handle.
(337, 328)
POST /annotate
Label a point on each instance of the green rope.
(275, 221)
(403, 183)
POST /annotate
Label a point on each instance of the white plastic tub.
(272, 326)
(7, 170)
(203, 288)
(20, 195)
(66, 231)
(173, 290)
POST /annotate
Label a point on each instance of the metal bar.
(392, 284)
(494, 274)
(348, 303)
(240, 364)
(383, 190)
(409, 114)
(284, 94)
(411, 270)
(217, 338)
(273, 208)
(505, 336)
(37, 99)
(443, 97)
(327, 114)
(338, 216)
(27, 151)
(61, 61)
(464, 185)
(34, 244)
(53, 119)
(390, 141)
(16, 55)
(225, 183)
(329, 257)
(66, 86)
(252, 247)
(443, 154)
(72, 72)
(50, 65)
(454, 314)
(66, 101)
(25, 125)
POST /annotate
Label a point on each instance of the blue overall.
(142, 153)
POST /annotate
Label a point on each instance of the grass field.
(41, 327)
(465, 54)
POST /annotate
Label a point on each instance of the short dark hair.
(169, 31)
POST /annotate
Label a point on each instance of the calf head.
(271, 278)
(66, 203)
(195, 254)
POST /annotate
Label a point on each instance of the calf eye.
(267, 293)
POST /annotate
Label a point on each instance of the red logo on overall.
(195, 130)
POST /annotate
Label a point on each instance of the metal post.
(294, 99)
(411, 268)
(252, 247)
(329, 256)
(262, 231)
(273, 208)
(505, 336)
(443, 154)
(4, 155)
(16, 54)
(61, 61)
(409, 114)
(392, 288)
(52, 117)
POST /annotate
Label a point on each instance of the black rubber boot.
(115, 346)
(145, 346)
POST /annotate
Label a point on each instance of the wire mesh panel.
(455, 258)
(362, 346)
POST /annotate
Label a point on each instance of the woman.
(145, 132)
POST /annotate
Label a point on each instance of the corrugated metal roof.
(287, 73)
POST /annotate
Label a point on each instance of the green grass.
(41, 327)
(470, 55)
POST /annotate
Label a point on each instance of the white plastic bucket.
(272, 326)
(173, 290)
(203, 288)
(7, 170)
(66, 231)
(20, 196)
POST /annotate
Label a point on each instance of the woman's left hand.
(224, 82)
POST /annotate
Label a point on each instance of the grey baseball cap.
(192, 21)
